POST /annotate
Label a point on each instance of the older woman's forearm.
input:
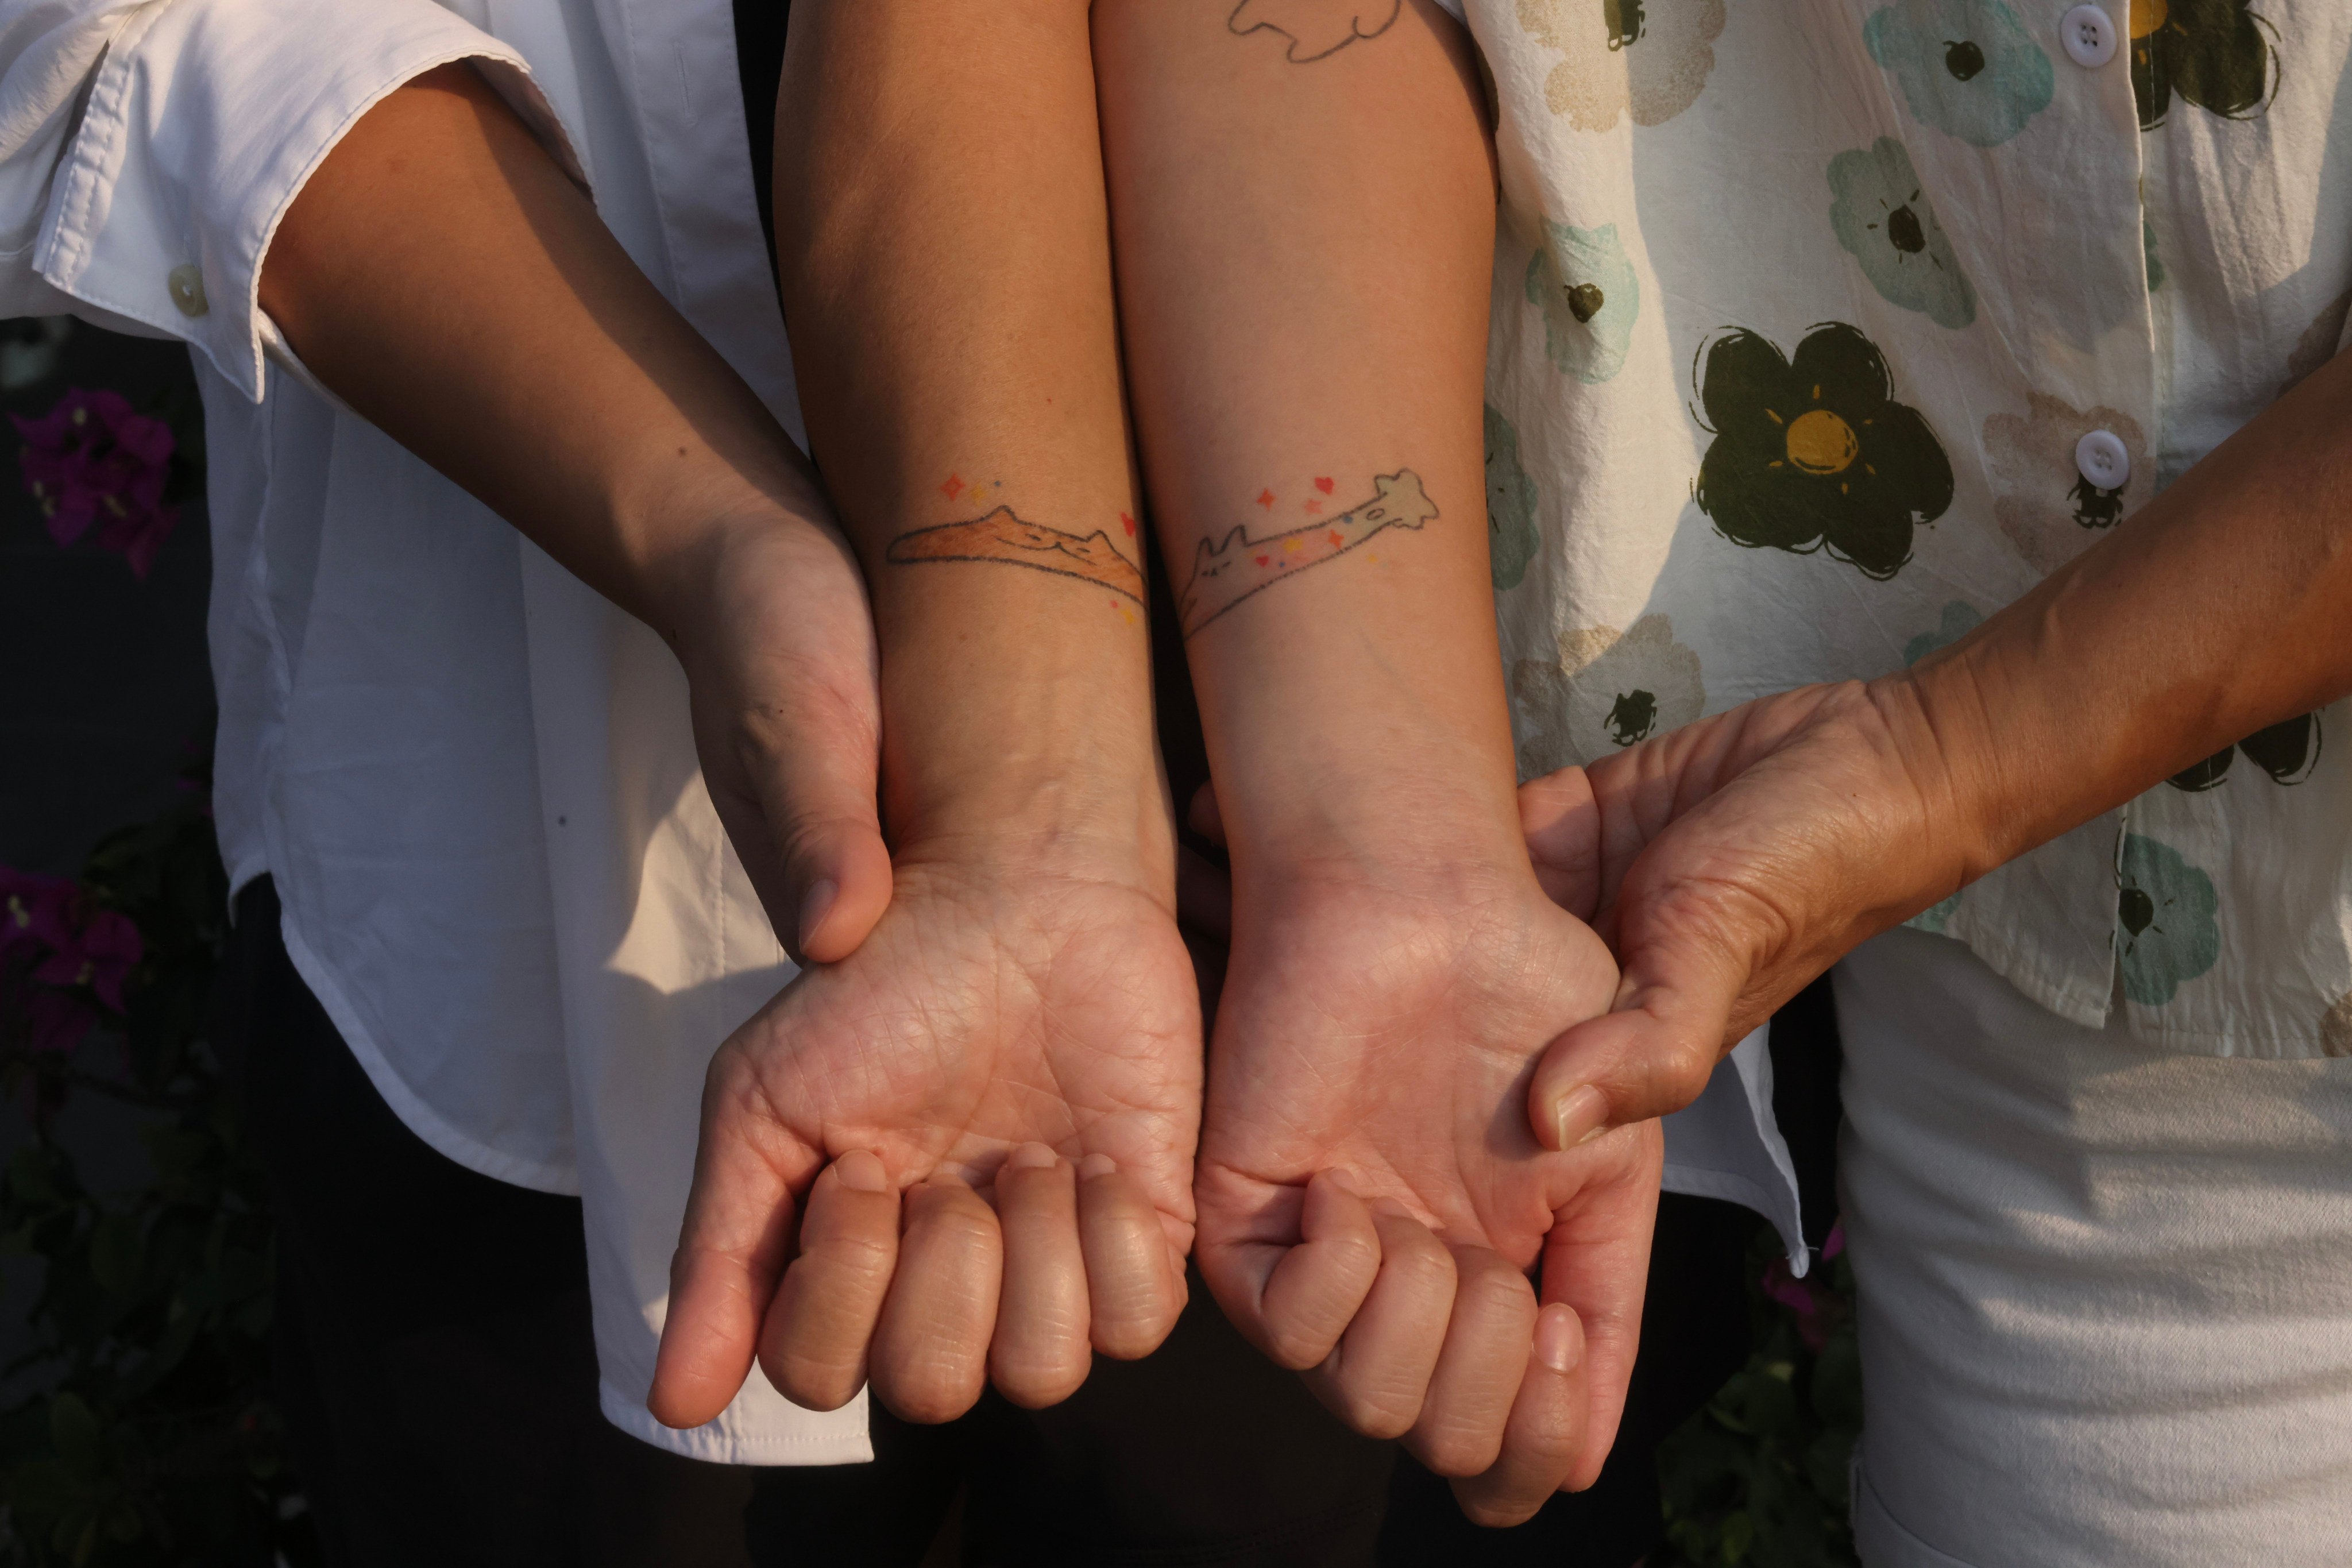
(2223, 607)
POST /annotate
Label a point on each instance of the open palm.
(1008, 1028)
(1389, 1035)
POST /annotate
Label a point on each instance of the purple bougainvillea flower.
(36, 912)
(1834, 1243)
(101, 955)
(93, 458)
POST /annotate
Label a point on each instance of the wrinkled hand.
(1002, 1026)
(1371, 1199)
(773, 628)
(1728, 863)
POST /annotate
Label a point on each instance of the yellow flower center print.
(1812, 452)
(2147, 16)
(1822, 443)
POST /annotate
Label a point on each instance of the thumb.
(796, 793)
(1681, 976)
(732, 1248)
(1561, 822)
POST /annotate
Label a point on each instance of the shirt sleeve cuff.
(203, 123)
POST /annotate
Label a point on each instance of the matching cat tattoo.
(1225, 572)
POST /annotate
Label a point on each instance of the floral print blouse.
(1823, 329)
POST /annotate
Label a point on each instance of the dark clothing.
(439, 1382)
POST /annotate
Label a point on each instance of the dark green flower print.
(2287, 752)
(1812, 450)
(1880, 215)
(2165, 931)
(1511, 537)
(1966, 67)
(2213, 53)
(1958, 619)
(1590, 295)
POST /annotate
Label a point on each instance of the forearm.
(946, 270)
(2223, 607)
(442, 275)
(1303, 254)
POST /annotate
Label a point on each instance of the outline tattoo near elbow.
(1317, 29)
(1004, 536)
(1227, 571)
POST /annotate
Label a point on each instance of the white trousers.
(2105, 1295)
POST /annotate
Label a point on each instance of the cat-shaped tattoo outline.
(1227, 571)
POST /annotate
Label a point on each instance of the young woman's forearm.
(442, 274)
(946, 269)
(1304, 230)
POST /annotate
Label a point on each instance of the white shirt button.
(2101, 459)
(2089, 35)
(186, 283)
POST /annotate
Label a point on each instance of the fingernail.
(1032, 1157)
(1391, 1210)
(1582, 1113)
(1095, 1166)
(1558, 1343)
(861, 1170)
(1344, 1181)
(814, 905)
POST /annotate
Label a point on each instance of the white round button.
(186, 283)
(2089, 35)
(2101, 458)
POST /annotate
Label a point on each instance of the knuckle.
(1495, 1510)
(1456, 1450)
(1297, 1348)
(1125, 1338)
(816, 1383)
(1354, 1255)
(1495, 1289)
(1034, 1382)
(956, 1218)
(857, 1257)
(1683, 1078)
(926, 1402)
(1428, 1267)
(1384, 1414)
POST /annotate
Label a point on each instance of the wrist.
(1932, 730)
(1388, 819)
(1023, 743)
(1067, 828)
